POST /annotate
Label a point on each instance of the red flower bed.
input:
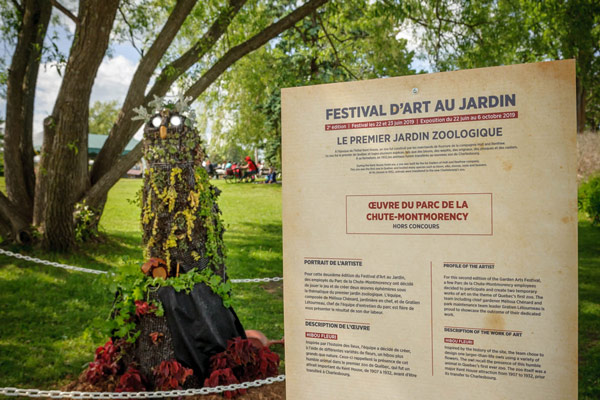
(241, 362)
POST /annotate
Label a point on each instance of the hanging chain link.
(58, 394)
(257, 280)
(51, 263)
(97, 272)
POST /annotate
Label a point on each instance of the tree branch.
(18, 6)
(130, 28)
(174, 70)
(237, 52)
(65, 11)
(124, 128)
(337, 57)
(117, 167)
(94, 196)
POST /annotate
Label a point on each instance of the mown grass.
(49, 317)
(589, 311)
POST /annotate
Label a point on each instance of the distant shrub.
(589, 198)
(86, 222)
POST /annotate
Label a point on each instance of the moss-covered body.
(180, 218)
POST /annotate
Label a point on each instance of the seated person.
(210, 168)
(250, 167)
(220, 170)
(271, 176)
(236, 170)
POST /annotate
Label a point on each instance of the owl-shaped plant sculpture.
(180, 218)
(183, 239)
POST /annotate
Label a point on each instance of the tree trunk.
(20, 95)
(67, 165)
(5, 229)
(39, 205)
(581, 94)
(19, 231)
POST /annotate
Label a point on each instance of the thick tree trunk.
(67, 165)
(20, 95)
(5, 228)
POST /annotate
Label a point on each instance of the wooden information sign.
(430, 236)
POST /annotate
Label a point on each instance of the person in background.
(210, 168)
(271, 176)
(251, 168)
(236, 170)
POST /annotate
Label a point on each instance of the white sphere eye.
(175, 120)
(156, 121)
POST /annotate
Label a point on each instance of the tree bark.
(97, 193)
(581, 94)
(67, 164)
(19, 226)
(5, 229)
(20, 95)
(39, 204)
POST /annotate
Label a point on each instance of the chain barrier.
(257, 280)
(50, 263)
(97, 272)
(57, 394)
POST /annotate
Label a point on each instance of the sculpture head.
(169, 136)
(166, 120)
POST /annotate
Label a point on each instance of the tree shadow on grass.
(110, 252)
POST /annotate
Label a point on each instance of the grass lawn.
(589, 311)
(50, 317)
